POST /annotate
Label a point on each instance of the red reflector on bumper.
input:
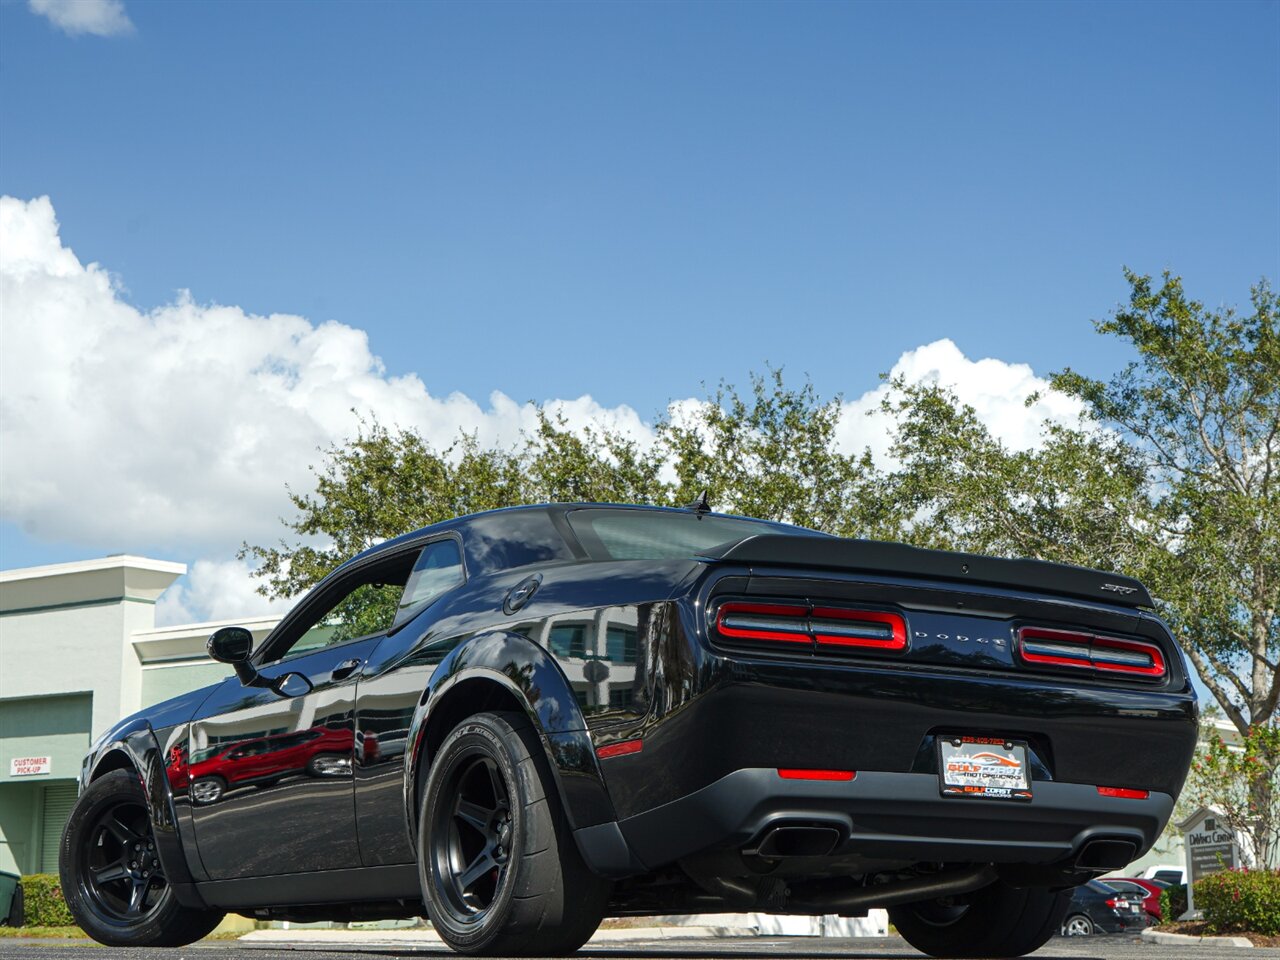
(817, 774)
(620, 749)
(1124, 792)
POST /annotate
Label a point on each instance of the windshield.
(660, 535)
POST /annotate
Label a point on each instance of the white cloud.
(995, 389)
(215, 589)
(178, 427)
(102, 18)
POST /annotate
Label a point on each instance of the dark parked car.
(1148, 890)
(559, 713)
(1098, 907)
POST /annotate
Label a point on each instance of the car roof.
(493, 522)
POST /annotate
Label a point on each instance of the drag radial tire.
(996, 921)
(112, 877)
(501, 874)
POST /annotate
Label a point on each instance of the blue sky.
(615, 200)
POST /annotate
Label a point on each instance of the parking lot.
(1093, 948)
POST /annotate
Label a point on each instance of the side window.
(369, 608)
(439, 569)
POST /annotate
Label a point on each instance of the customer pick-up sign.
(30, 766)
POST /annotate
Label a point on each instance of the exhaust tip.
(798, 841)
(1106, 854)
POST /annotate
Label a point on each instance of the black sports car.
(519, 722)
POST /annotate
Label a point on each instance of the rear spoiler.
(873, 556)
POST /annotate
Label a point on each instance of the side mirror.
(230, 645)
(234, 645)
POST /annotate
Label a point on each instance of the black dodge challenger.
(519, 722)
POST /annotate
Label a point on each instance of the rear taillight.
(836, 627)
(829, 629)
(1043, 646)
(779, 623)
(1114, 904)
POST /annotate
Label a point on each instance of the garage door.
(59, 798)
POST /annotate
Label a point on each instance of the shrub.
(1173, 903)
(42, 896)
(1241, 900)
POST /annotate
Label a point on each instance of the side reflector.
(1124, 792)
(817, 774)
(620, 749)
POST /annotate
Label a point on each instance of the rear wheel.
(996, 921)
(1077, 925)
(112, 878)
(500, 872)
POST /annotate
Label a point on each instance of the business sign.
(1211, 848)
(30, 766)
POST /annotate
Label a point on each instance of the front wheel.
(112, 878)
(501, 874)
(996, 921)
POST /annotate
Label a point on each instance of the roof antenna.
(700, 505)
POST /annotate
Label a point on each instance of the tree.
(1173, 477)
(1200, 409)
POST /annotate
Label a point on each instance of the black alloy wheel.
(120, 870)
(113, 874)
(471, 836)
(501, 873)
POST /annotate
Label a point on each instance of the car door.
(284, 802)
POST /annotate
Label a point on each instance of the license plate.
(984, 768)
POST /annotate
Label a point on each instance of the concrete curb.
(431, 938)
(1183, 940)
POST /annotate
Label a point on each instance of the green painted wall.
(56, 727)
(19, 826)
(162, 682)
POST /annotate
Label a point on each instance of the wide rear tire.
(112, 878)
(996, 921)
(501, 874)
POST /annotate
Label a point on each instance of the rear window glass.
(658, 535)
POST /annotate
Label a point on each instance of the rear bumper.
(882, 816)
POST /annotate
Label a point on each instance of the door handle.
(345, 669)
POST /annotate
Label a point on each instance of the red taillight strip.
(738, 620)
(1125, 792)
(828, 626)
(1066, 648)
(1153, 669)
(620, 749)
(795, 774)
(889, 632)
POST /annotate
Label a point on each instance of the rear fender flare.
(530, 676)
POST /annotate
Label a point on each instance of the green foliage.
(1243, 786)
(1173, 903)
(1200, 409)
(1240, 901)
(42, 898)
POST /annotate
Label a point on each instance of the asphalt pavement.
(864, 948)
